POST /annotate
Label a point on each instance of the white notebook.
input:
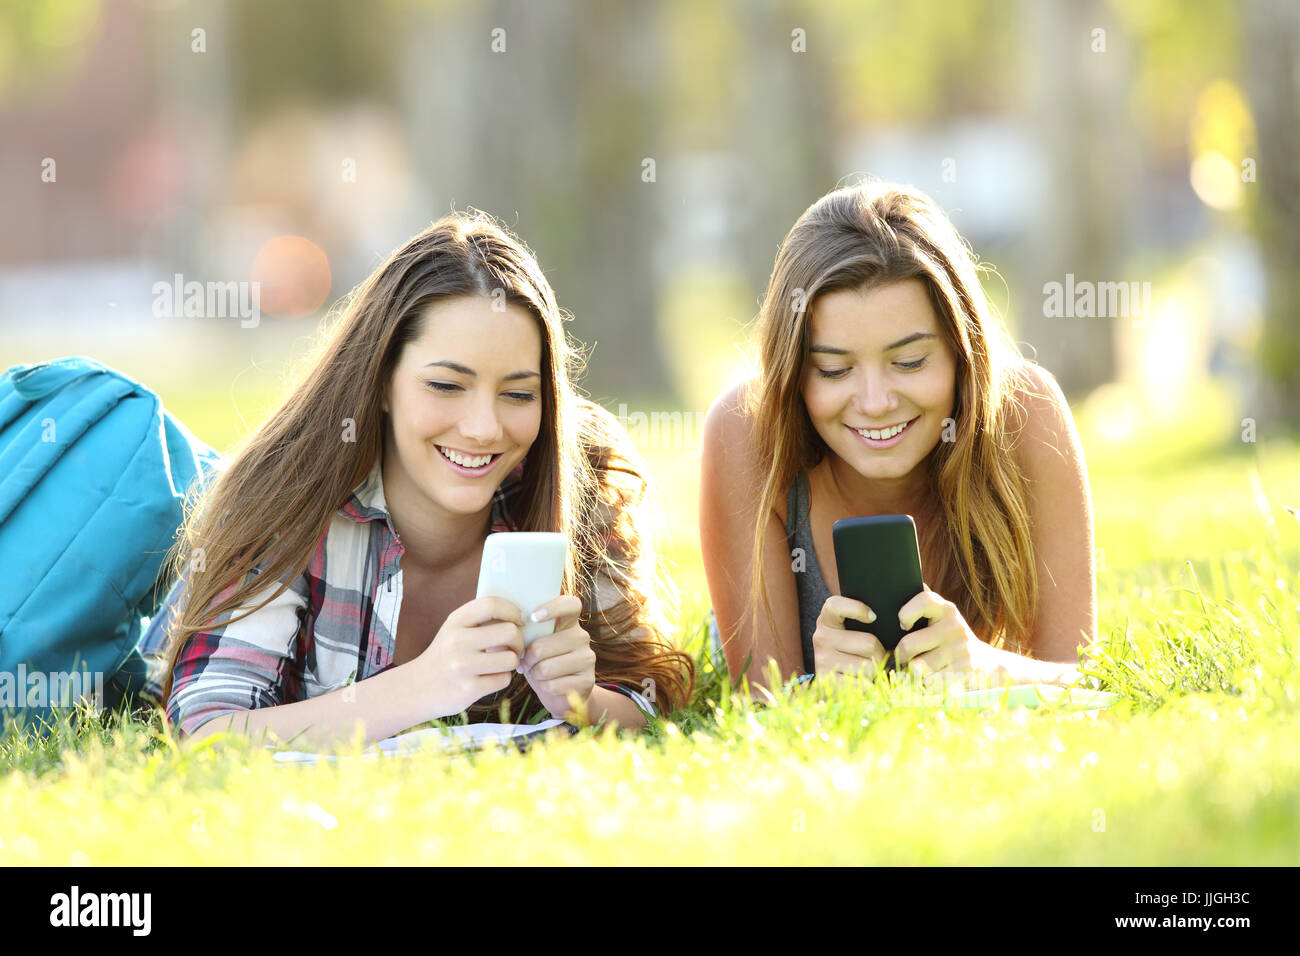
(431, 739)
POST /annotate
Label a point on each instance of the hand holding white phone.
(527, 569)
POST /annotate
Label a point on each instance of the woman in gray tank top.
(809, 584)
(887, 379)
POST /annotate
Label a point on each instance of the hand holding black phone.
(879, 564)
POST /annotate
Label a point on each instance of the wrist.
(408, 691)
(794, 683)
(433, 697)
(561, 707)
(1013, 668)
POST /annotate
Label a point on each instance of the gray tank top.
(808, 582)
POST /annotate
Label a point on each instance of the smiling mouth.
(885, 434)
(466, 460)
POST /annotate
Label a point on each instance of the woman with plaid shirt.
(327, 577)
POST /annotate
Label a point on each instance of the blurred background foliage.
(654, 155)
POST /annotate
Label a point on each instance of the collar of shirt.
(367, 502)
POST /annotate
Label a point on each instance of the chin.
(443, 489)
(885, 470)
(465, 501)
(874, 464)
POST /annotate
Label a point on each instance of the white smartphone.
(526, 568)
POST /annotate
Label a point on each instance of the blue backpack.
(93, 477)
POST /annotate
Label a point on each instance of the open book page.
(466, 737)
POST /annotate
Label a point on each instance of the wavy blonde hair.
(274, 501)
(980, 554)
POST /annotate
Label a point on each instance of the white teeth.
(465, 460)
(881, 435)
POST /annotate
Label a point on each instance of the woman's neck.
(432, 538)
(862, 496)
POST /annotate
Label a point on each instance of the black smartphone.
(879, 564)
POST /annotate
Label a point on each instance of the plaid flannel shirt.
(335, 624)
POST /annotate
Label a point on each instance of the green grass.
(1199, 762)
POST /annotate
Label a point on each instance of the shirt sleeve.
(236, 667)
(153, 643)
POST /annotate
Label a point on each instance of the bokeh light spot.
(293, 276)
(1216, 181)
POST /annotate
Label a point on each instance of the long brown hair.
(979, 549)
(267, 510)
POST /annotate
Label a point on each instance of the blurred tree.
(915, 63)
(1079, 78)
(1274, 89)
(783, 126)
(542, 114)
(613, 290)
(319, 51)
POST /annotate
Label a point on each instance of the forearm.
(1019, 669)
(379, 706)
(756, 665)
(613, 706)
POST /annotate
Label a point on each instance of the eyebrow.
(914, 337)
(465, 370)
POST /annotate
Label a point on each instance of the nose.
(874, 397)
(481, 424)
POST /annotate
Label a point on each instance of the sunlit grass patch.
(1197, 763)
(850, 777)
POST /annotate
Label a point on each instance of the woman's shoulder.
(1040, 415)
(728, 424)
(729, 447)
(1031, 381)
(736, 400)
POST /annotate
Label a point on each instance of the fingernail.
(871, 616)
(538, 615)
